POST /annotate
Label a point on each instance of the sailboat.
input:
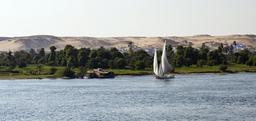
(162, 71)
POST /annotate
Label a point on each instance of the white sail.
(166, 67)
(160, 71)
(155, 64)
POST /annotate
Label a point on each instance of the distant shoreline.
(120, 75)
(127, 72)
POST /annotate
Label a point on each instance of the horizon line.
(131, 35)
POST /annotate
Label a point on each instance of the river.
(211, 97)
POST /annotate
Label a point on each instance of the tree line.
(112, 58)
(83, 57)
(187, 56)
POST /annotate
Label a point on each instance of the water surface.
(208, 97)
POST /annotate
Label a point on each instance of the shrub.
(223, 68)
(200, 63)
(251, 61)
(81, 72)
(211, 63)
(188, 62)
(59, 73)
(39, 68)
(68, 72)
(140, 65)
(10, 68)
(22, 64)
(52, 71)
(33, 72)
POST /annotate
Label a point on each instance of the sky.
(109, 18)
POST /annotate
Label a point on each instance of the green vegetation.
(223, 68)
(232, 68)
(68, 73)
(73, 63)
(46, 71)
(130, 72)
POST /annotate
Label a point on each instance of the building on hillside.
(238, 46)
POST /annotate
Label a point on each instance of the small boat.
(165, 77)
(162, 71)
(99, 73)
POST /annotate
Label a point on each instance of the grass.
(130, 72)
(242, 68)
(195, 69)
(232, 68)
(25, 73)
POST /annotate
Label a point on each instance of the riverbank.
(45, 71)
(192, 69)
(234, 68)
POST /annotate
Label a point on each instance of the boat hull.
(165, 77)
(99, 73)
(102, 76)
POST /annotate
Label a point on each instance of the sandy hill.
(45, 41)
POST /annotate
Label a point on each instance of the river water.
(211, 97)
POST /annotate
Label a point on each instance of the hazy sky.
(127, 17)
